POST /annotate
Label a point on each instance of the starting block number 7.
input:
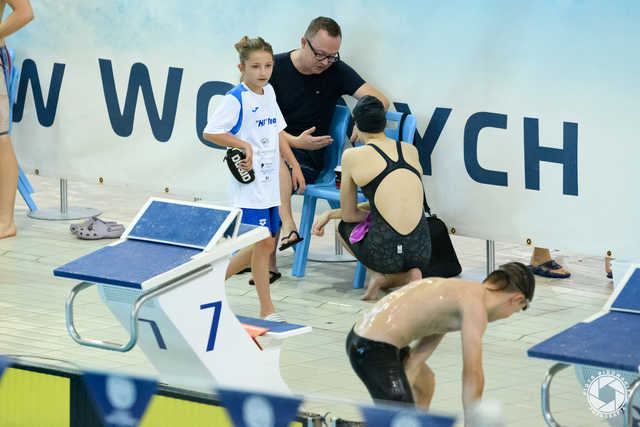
(217, 306)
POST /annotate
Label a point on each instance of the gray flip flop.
(99, 229)
(73, 228)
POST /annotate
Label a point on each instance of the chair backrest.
(333, 152)
(409, 127)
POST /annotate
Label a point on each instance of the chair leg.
(358, 278)
(25, 189)
(302, 248)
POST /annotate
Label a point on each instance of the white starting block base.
(164, 282)
(175, 334)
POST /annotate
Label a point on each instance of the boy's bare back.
(430, 306)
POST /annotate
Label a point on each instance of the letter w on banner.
(389, 416)
(248, 409)
(120, 401)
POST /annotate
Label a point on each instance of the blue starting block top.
(611, 340)
(164, 235)
(628, 298)
(129, 263)
(182, 224)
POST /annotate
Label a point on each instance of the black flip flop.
(544, 270)
(290, 243)
(273, 276)
(246, 270)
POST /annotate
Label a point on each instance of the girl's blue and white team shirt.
(257, 120)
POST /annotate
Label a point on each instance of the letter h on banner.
(567, 156)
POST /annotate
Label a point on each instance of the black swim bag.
(444, 261)
(233, 158)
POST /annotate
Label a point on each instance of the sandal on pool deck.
(73, 228)
(273, 276)
(545, 270)
(290, 242)
(99, 229)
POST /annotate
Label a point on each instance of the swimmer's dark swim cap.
(369, 115)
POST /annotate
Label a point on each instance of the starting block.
(164, 282)
(609, 339)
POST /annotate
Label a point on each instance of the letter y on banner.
(248, 409)
(120, 401)
(389, 416)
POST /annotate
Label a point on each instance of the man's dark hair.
(322, 23)
(369, 115)
(514, 276)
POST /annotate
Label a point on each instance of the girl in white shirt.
(249, 119)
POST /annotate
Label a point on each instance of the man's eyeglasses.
(320, 57)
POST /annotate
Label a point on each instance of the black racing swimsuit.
(380, 366)
(383, 249)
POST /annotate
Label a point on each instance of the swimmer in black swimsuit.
(419, 315)
(396, 248)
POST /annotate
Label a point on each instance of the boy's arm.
(474, 323)
(420, 353)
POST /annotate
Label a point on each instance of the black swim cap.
(369, 114)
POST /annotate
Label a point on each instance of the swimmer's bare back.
(399, 195)
(430, 306)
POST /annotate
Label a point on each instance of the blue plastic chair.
(326, 188)
(24, 186)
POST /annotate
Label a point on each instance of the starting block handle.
(546, 393)
(133, 315)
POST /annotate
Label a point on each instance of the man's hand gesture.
(306, 141)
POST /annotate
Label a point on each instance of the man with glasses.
(421, 313)
(308, 83)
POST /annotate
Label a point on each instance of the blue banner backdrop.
(525, 110)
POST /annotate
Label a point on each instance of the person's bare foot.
(373, 287)
(8, 232)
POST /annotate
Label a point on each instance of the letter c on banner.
(474, 125)
(205, 93)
